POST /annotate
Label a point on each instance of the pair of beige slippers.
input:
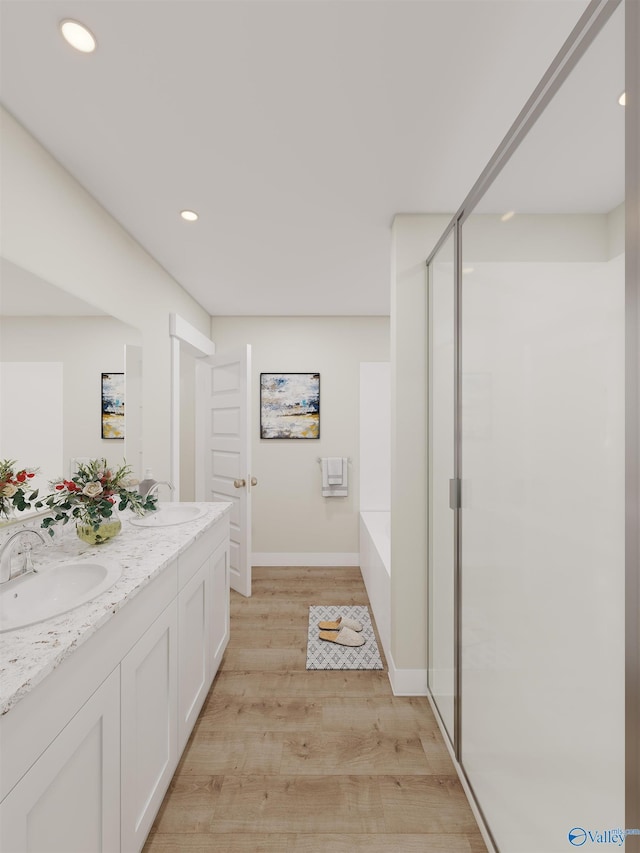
(343, 631)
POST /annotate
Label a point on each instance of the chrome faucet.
(22, 549)
(153, 488)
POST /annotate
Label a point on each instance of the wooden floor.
(283, 759)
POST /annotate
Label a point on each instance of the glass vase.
(97, 534)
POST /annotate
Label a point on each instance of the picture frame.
(290, 406)
(112, 420)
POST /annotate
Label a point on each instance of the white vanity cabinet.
(194, 620)
(69, 801)
(149, 714)
(88, 754)
(220, 591)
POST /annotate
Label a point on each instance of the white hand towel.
(335, 470)
(330, 490)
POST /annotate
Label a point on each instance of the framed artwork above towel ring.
(289, 405)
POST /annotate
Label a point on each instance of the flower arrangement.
(14, 486)
(92, 494)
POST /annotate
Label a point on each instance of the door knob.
(239, 483)
(254, 481)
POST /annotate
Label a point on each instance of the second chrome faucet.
(17, 546)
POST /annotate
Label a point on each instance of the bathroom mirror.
(54, 348)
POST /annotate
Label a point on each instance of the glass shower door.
(542, 464)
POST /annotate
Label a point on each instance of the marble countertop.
(28, 655)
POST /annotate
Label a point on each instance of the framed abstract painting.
(289, 405)
(112, 412)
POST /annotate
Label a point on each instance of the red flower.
(60, 486)
(21, 477)
(31, 474)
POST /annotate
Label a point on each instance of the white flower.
(128, 482)
(92, 490)
(9, 490)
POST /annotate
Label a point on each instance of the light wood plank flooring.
(283, 759)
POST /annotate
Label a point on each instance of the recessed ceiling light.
(78, 36)
(622, 100)
(189, 215)
(507, 216)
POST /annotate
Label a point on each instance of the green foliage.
(13, 487)
(91, 495)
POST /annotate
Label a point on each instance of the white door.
(133, 407)
(223, 449)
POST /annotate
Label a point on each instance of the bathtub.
(375, 565)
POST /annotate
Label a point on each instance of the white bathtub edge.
(377, 582)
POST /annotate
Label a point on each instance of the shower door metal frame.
(632, 417)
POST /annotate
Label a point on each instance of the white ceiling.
(296, 129)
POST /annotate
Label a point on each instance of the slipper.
(341, 622)
(344, 637)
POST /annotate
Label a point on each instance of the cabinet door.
(69, 801)
(149, 726)
(194, 651)
(220, 599)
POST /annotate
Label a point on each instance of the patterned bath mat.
(324, 655)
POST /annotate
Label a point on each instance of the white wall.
(85, 347)
(375, 436)
(546, 237)
(31, 418)
(52, 227)
(290, 516)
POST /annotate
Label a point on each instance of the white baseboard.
(406, 682)
(305, 558)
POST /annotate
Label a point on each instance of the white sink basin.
(53, 590)
(169, 514)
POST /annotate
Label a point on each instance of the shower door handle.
(455, 493)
